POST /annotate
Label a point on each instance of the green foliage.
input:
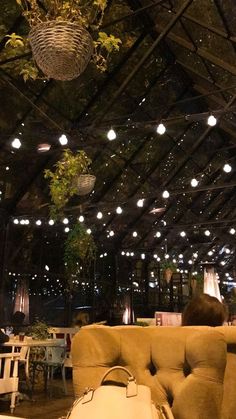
(39, 330)
(199, 278)
(63, 180)
(79, 247)
(15, 41)
(167, 264)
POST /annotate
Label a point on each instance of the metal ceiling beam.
(131, 75)
(174, 173)
(201, 52)
(204, 25)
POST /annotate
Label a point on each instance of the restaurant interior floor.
(51, 405)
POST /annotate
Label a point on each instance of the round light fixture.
(161, 129)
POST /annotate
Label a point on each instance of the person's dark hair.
(204, 310)
(18, 318)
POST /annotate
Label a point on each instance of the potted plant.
(79, 248)
(168, 269)
(71, 176)
(60, 37)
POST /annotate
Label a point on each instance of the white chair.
(67, 334)
(24, 353)
(53, 357)
(9, 379)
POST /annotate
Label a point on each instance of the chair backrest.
(55, 354)
(65, 333)
(182, 366)
(9, 372)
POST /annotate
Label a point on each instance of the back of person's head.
(18, 318)
(204, 310)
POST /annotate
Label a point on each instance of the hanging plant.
(61, 37)
(168, 269)
(80, 248)
(66, 177)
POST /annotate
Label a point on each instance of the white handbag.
(116, 402)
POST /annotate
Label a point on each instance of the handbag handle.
(118, 367)
(131, 388)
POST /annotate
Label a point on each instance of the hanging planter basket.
(85, 184)
(62, 50)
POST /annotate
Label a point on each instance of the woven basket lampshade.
(62, 50)
(85, 184)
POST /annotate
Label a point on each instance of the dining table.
(15, 342)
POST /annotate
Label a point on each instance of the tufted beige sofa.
(182, 365)
(229, 398)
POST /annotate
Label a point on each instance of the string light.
(140, 203)
(63, 139)
(66, 229)
(232, 231)
(89, 231)
(65, 221)
(183, 234)
(165, 194)
(181, 256)
(16, 221)
(207, 233)
(211, 121)
(51, 222)
(81, 218)
(111, 135)
(38, 222)
(194, 183)
(111, 234)
(167, 256)
(119, 210)
(158, 234)
(227, 168)
(16, 143)
(99, 215)
(142, 255)
(161, 129)
(134, 234)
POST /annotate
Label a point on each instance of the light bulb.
(227, 168)
(51, 222)
(65, 221)
(143, 256)
(16, 143)
(140, 203)
(207, 233)
(211, 121)
(111, 233)
(194, 183)
(119, 210)
(111, 135)
(158, 234)
(66, 229)
(183, 234)
(63, 139)
(232, 231)
(161, 129)
(16, 221)
(38, 222)
(190, 262)
(195, 255)
(89, 231)
(81, 218)
(181, 256)
(134, 234)
(165, 194)
(99, 215)
(167, 256)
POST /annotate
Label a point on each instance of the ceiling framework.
(177, 60)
